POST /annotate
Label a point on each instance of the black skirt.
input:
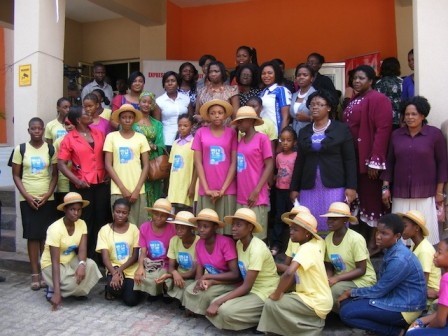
(36, 222)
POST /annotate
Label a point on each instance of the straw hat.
(204, 108)
(294, 211)
(305, 220)
(182, 218)
(161, 205)
(70, 198)
(126, 108)
(208, 215)
(245, 214)
(340, 209)
(247, 112)
(418, 218)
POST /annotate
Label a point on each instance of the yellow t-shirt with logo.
(57, 236)
(344, 257)
(185, 257)
(54, 130)
(63, 181)
(126, 159)
(106, 113)
(425, 254)
(292, 248)
(120, 246)
(311, 278)
(257, 257)
(36, 169)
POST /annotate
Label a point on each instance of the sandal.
(107, 295)
(35, 285)
(42, 282)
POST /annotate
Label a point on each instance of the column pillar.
(38, 41)
(430, 51)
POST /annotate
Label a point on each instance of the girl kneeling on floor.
(241, 308)
(118, 245)
(65, 267)
(216, 267)
(155, 236)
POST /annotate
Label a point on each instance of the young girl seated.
(302, 312)
(346, 256)
(292, 248)
(216, 266)
(436, 323)
(416, 230)
(242, 307)
(118, 245)
(182, 256)
(65, 266)
(155, 236)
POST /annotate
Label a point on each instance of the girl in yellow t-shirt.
(182, 257)
(118, 245)
(303, 311)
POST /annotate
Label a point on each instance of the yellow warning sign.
(25, 75)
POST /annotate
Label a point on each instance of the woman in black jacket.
(325, 168)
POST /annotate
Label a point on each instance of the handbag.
(152, 265)
(159, 167)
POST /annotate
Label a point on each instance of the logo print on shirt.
(126, 154)
(60, 133)
(121, 250)
(240, 163)
(37, 164)
(217, 155)
(70, 249)
(242, 269)
(178, 162)
(211, 269)
(185, 260)
(157, 249)
(338, 262)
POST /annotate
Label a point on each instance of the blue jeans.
(358, 313)
(428, 331)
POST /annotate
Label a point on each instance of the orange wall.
(2, 87)
(289, 30)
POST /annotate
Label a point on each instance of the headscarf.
(149, 94)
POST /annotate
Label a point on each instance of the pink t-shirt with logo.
(250, 166)
(285, 166)
(157, 244)
(223, 252)
(443, 292)
(216, 157)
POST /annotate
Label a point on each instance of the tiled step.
(8, 241)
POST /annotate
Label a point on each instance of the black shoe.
(2, 279)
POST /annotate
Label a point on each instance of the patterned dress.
(154, 135)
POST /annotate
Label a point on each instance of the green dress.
(154, 135)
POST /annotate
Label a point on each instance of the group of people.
(239, 148)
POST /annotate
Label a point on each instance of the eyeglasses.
(319, 105)
(67, 123)
(247, 75)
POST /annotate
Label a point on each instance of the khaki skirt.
(69, 287)
(199, 302)
(149, 284)
(177, 292)
(239, 313)
(290, 316)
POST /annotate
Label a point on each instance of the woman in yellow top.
(416, 230)
(118, 245)
(65, 266)
(302, 312)
(241, 308)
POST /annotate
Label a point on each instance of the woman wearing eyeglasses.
(325, 168)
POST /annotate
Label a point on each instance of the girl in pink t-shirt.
(436, 323)
(284, 163)
(215, 159)
(155, 236)
(216, 265)
(254, 166)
